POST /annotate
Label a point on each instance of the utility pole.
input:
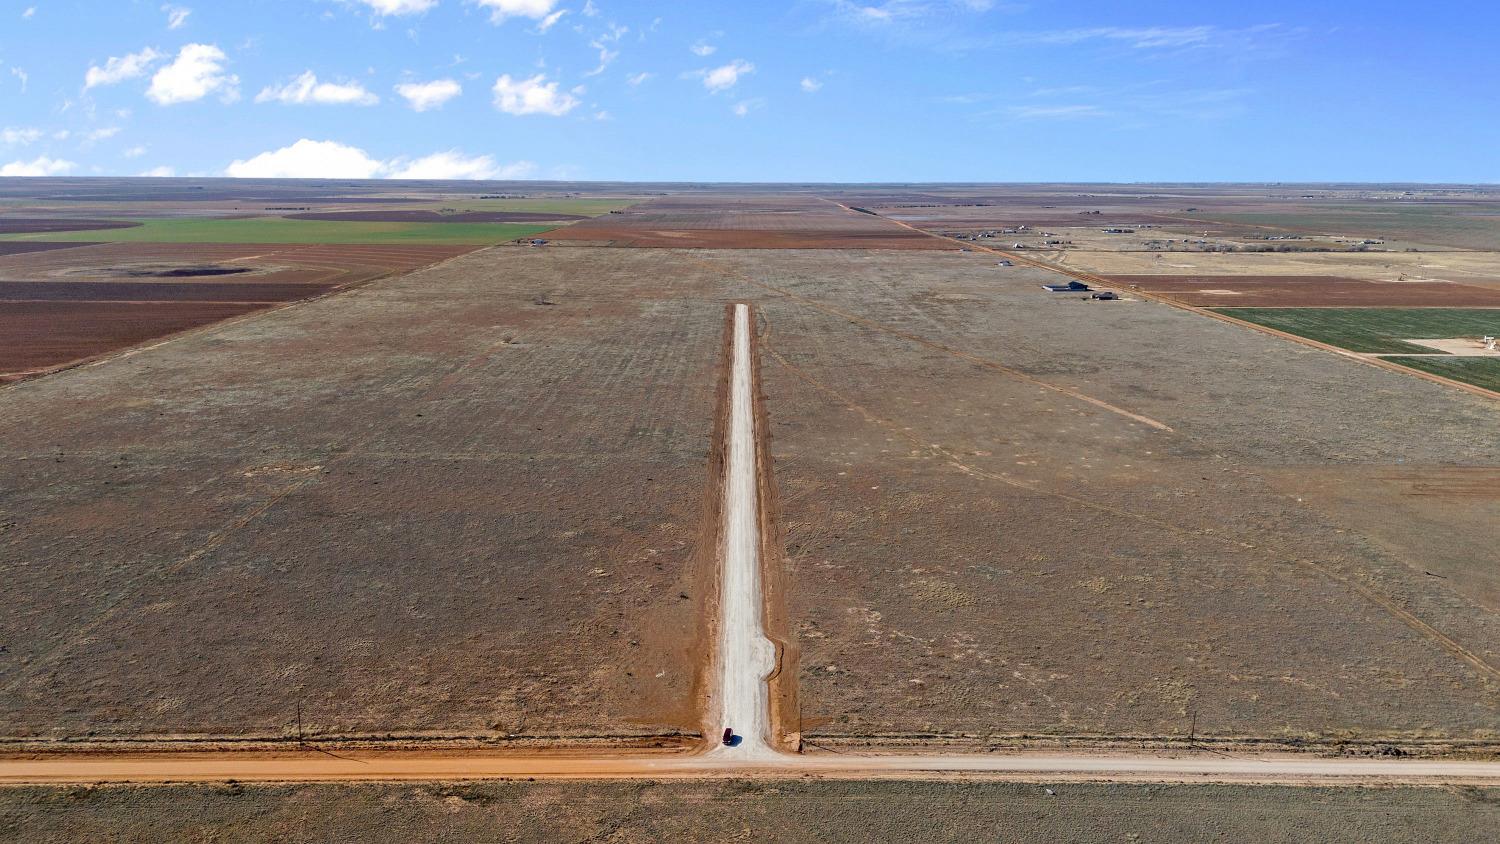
(299, 721)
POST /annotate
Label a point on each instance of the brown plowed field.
(410, 216)
(156, 291)
(37, 225)
(754, 222)
(22, 247)
(66, 305)
(1309, 291)
(39, 334)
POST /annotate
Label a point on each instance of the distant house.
(1070, 287)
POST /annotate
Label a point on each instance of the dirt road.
(366, 766)
(745, 656)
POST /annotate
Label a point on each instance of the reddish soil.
(27, 247)
(745, 222)
(18, 225)
(398, 215)
(155, 291)
(1309, 291)
(37, 335)
(63, 306)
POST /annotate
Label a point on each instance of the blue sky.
(803, 90)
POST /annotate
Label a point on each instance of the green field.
(1374, 330)
(281, 230)
(1481, 372)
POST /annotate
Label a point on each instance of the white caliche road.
(396, 765)
(745, 656)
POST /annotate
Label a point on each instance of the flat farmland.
(1458, 224)
(25, 247)
(1308, 291)
(1480, 269)
(464, 502)
(39, 334)
(1375, 330)
(744, 222)
(1008, 514)
(45, 225)
(469, 502)
(67, 305)
(1481, 372)
(285, 230)
(754, 810)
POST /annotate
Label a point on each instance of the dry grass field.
(747, 810)
(979, 532)
(458, 502)
(744, 222)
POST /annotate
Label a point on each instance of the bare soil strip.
(367, 766)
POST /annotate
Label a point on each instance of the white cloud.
(29, 13)
(118, 69)
(502, 9)
(307, 90)
(307, 159)
(20, 137)
(162, 172)
(724, 77)
(550, 20)
(399, 7)
(532, 96)
(1141, 38)
(40, 166)
(894, 11)
(176, 15)
(744, 107)
(21, 75)
(702, 49)
(197, 72)
(422, 96)
(589, 9)
(1057, 112)
(636, 79)
(811, 85)
(97, 135)
(606, 56)
(134, 152)
(455, 165)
